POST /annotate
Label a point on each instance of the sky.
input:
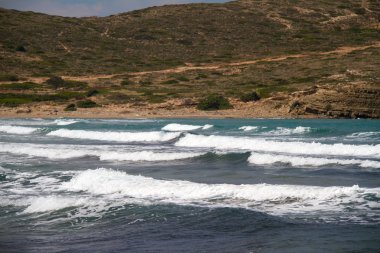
(83, 8)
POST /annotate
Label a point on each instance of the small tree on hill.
(214, 102)
(56, 82)
(252, 96)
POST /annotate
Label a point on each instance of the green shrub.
(13, 102)
(156, 99)
(119, 98)
(18, 86)
(86, 104)
(146, 82)
(20, 48)
(21, 98)
(70, 108)
(58, 82)
(126, 82)
(171, 81)
(269, 90)
(144, 37)
(55, 81)
(148, 93)
(252, 96)
(8, 77)
(360, 11)
(92, 93)
(75, 84)
(183, 79)
(185, 42)
(214, 102)
(200, 76)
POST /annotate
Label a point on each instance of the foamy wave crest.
(17, 129)
(115, 136)
(248, 128)
(266, 197)
(290, 131)
(64, 122)
(181, 127)
(48, 151)
(52, 203)
(73, 151)
(363, 134)
(245, 143)
(262, 159)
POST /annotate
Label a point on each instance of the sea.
(189, 185)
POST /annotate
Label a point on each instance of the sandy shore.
(240, 110)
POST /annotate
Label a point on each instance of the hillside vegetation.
(273, 47)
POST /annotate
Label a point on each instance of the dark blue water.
(189, 185)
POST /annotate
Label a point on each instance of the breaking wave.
(17, 129)
(364, 135)
(248, 128)
(263, 159)
(155, 136)
(71, 151)
(181, 127)
(305, 148)
(290, 131)
(64, 122)
(275, 199)
(52, 203)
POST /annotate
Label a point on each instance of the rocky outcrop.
(355, 100)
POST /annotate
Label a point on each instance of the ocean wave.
(155, 136)
(290, 131)
(263, 159)
(147, 156)
(76, 151)
(52, 203)
(248, 128)
(363, 134)
(17, 129)
(181, 127)
(64, 122)
(48, 151)
(305, 148)
(275, 199)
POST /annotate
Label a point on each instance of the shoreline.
(275, 107)
(110, 112)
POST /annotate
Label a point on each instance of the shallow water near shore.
(189, 185)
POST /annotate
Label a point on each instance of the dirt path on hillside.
(339, 51)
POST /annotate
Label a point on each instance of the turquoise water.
(189, 185)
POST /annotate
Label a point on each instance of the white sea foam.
(48, 151)
(64, 122)
(254, 144)
(290, 131)
(262, 159)
(17, 129)
(155, 136)
(363, 134)
(75, 151)
(181, 127)
(51, 203)
(248, 128)
(271, 198)
(207, 126)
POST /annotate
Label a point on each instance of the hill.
(174, 55)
